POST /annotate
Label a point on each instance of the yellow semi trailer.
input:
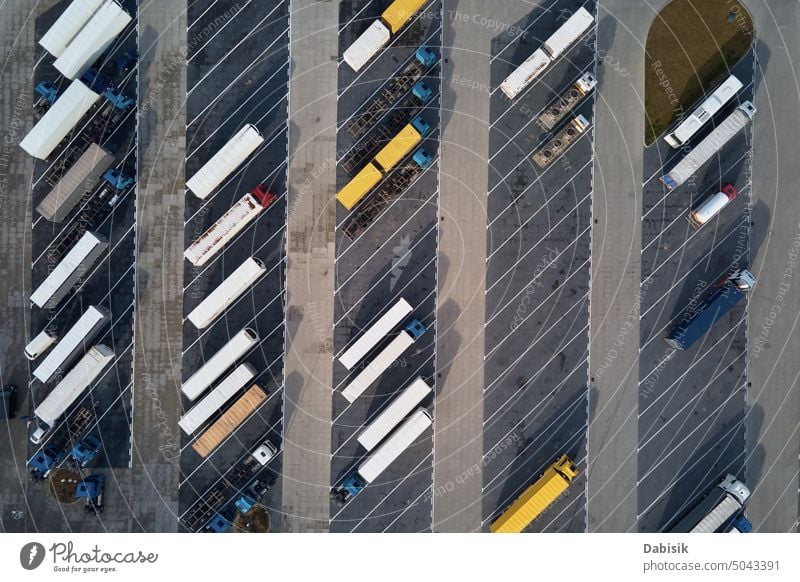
(536, 498)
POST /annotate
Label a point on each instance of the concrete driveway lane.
(310, 272)
(616, 243)
(16, 168)
(773, 443)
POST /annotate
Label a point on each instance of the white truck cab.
(265, 452)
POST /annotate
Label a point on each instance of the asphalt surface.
(235, 78)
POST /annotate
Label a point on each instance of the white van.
(40, 344)
(265, 452)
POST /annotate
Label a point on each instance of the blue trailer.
(697, 322)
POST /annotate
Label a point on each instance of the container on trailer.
(395, 445)
(375, 333)
(393, 414)
(225, 161)
(219, 363)
(366, 46)
(226, 424)
(231, 288)
(399, 12)
(568, 32)
(359, 186)
(400, 146)
(522, 76)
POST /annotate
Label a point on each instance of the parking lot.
(108, 284)
(692, 403)
(238, 62)
(537, 279)
(393, 257)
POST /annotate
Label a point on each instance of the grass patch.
(691, 46)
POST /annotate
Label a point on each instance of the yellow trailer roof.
(398, 148)
(535, 499)
(359, 186)
(400, 12)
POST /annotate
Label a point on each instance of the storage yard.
(401, 399)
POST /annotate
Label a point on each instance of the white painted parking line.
(199, 18)
(409, 506)
(696, 359)
(568, 214)
(197, 50)
(355, 16)
(524, 256)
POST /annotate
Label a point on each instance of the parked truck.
(385, 160)
(536, 498)
(559, 143)
(375, 333)
(40, 344)
(566, 102)
(85, 451)
(710, 145)
(380, 459)
(81, 178)
(696, 323)
(93, 39)
(741, 525)
(396, 87)
(59, 120)
(47, 95)
(69, 271)
(373, 206)
(393, 414)
(217, 398)
(219, 363)
(393, 19)
(229, 421)
(704, 112)
(553, 47)
(718, 508)
(85, 372)
(231, 288)
(44, 461)
(225, 229)
(79, 335)
(712, 206)
(404, 340)
(225, 161)
(68, 25)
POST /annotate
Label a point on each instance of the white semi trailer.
(704, 112)
(69, 389)
(219, 363)
(710, 145)
(377, 462)
(719, 506)
(242, 278)
(225, 161)
(69, 271)
(393, 414)
(79, 335)
(68, 25)
(375, 333)
(217, 398)
(569, 32)
(225, 229)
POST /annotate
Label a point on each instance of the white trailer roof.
(525, 73)
(93, 40)
(225, 161)
(59, 120)
(391, 416)
(74, 383)
(704, 112)
(723, 511)
(227, 292)
(569, 32)
(394, 446)
(80, 334)
(375, 333)
(68, 25)
(77, 260)
(365, 46)
(223, 230)
(216, 365)
(710, 145)
(377, 366)
(224, 391)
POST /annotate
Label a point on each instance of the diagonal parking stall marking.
(535, 181)
(402, 513)
(227, 22)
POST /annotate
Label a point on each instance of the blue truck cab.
(422, 158)
(421, 125)
(96, 81)
(422, 92)
(118, 99)
(425, 56)
(44, 461)
(415, 328)
(116, 179)
(352, 485)
(85, 451)
(741, 525)
(722, 299)
(219, 523)
(48, 93)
